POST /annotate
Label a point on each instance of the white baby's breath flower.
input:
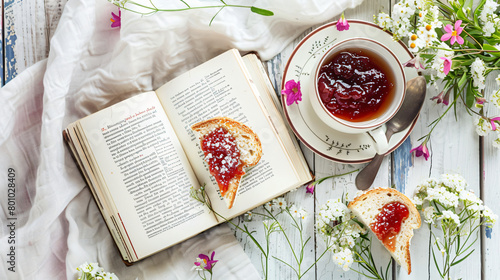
(489, 216)
(429, 215)
(343, 259)
(442, 195)
(483, 127)
(109, 276)
(495, 97)
(489, 8)
(417, 201)
(478, 68)
(454, 181)
(384, 20)
(496, 142)
(452, 217)
(469, 197)
(489, 28)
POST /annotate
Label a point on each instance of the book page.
(146, 174)
(222, 88)
(273, 108)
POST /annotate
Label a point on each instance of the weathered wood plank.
(1, 46)
(491, 192)
(28, 27)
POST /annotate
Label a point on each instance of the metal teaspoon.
(415, 96)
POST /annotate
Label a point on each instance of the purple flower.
(310, 188)
(116, 20)
(414, 62)
(342, 24)
(454, 35)
(446, 65)
(442, 98)
(421, 151)
(492, 121)
(292, 92)
(206, 262)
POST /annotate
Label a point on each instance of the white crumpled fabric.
(90, 67)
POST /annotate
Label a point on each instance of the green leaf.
(477, 11)
(491, 48)
(462, 259)
(467, 4)
(487, 58)
(475, 32)
(462, 80)
(261, 12)
(470, 97)
(436, 263)
(461, 15)
(427, 56)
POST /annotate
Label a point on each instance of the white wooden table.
(29, 25)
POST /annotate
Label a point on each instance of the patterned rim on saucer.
(307, 126)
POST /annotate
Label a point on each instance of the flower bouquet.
(458, 45)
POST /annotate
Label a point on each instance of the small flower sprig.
(92, 271)
(146, 10)
(460, 45)
(456, 214)
(204, 264)
(271, 225)
(348, 239)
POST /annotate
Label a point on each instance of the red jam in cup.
(356, 85)
(388, 222)
(223, 157)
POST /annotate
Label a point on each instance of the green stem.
(284, 233)
(438, 120)
(188, 7)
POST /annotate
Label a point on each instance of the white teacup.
(375, 127)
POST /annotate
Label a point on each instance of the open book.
(140, 157)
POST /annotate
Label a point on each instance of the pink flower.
(421, 151)
(310, 188)
(480, 100)
(116, 20)
(453, 34)
(446, 65)
(206, 262)
(442, 98)
(492, 121)
(292, 92)
(414, 62)
(342, 24)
